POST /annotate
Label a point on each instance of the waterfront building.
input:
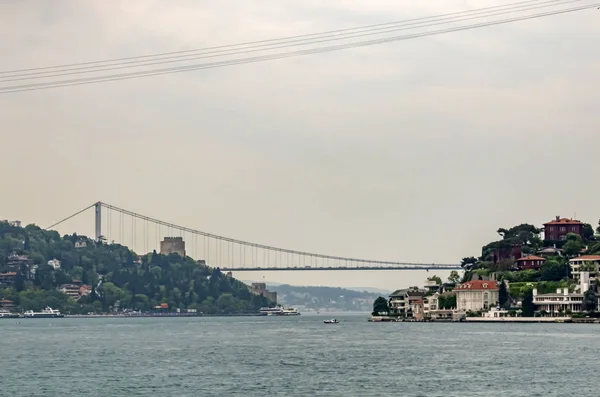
(476, 295)
(404, 302)
(7, 304)
(495, 312)
(563, 301)
(431, 307)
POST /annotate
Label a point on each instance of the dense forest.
(117, 276)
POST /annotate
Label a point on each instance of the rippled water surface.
(300, 356)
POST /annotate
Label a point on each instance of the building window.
(563, 237)
(563, 228)
(574, 228)
(551, 228)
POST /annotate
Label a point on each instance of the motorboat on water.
(332, 321)
(48, 312)
(279, 310)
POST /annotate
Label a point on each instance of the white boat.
(332, 321)
(290, 311)
(279, 310)
(6, 314)
(48, 312)
(271, 311)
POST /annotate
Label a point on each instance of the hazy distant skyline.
(411, 151)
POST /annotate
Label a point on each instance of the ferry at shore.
(279, 310)
(6, 314)
(48, 312)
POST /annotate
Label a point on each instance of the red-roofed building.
(476, 295)
(558, 229)
(7, 304)
(8, 278)
(530, 262)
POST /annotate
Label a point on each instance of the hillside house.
(557, 229)
(530, 262)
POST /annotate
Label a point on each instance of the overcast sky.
(415, 150)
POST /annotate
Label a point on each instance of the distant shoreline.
(168, 315)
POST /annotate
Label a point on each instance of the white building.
(476, 295)
(560, 302)
(80, 244)
(496, 313)
(563, 300)
(586, 263)
(55, 263)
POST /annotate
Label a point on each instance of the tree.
(527, 303)
(588, 232)
(573, 245)
(454, 277)
(523, 234)
(590, 300)
(447, 302)
(468, 262)
(380, 306)
(436, 279)
(554, 269)
(503, 298)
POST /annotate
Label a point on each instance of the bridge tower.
(98, 211)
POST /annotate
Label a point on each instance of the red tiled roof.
(5, 301)
(563, 221)
(477, 285)
(587, 258)
(531, 258)
(8, 274)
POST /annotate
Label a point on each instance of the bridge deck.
(346, 268)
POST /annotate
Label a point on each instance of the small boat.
(332, 321)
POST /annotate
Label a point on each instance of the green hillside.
(116, 276)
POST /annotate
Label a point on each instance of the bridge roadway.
(347, 268)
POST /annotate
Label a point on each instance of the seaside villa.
(476, 295)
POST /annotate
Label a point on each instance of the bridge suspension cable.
(344, 34)
(219, 240)
(223, 252)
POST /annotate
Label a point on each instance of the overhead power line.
(280, 43)
(340, 34)
(239, 61)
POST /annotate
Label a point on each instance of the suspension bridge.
(145, 234)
